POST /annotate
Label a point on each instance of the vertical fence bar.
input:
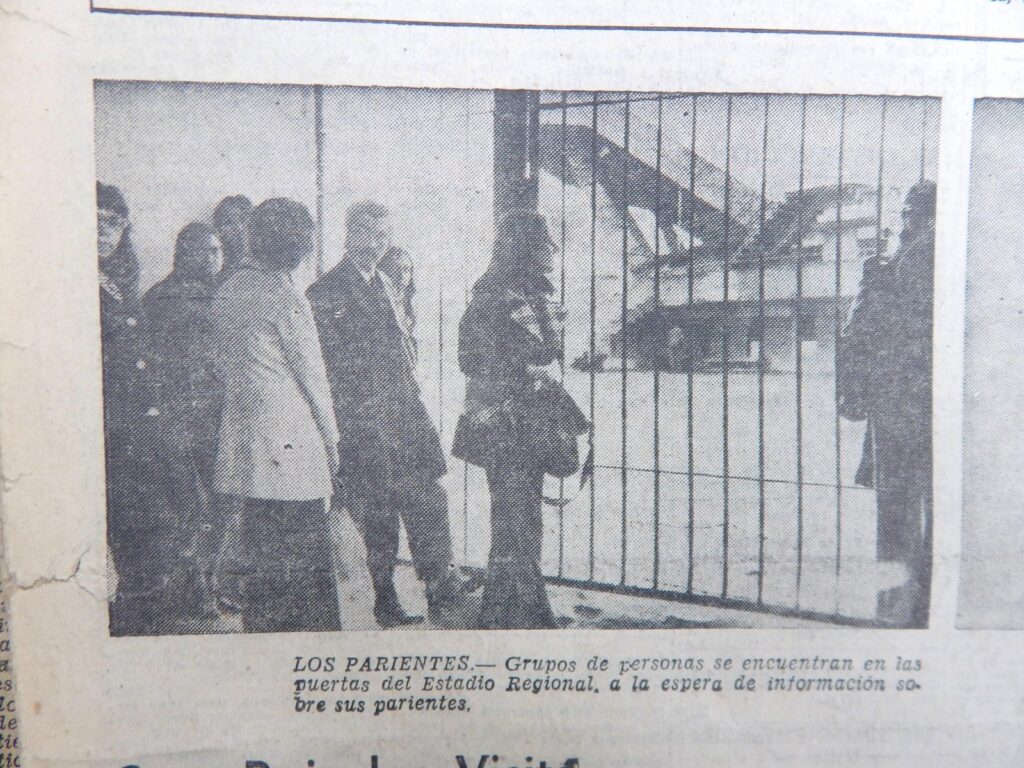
(799, 354)
(691, 352)
(659, 342)
(761, 358)
(318, 144)
(924, 136)
(465, 304)
(881, 171)
(593, 318)
(838, 332)
(726, 265)
(561, 340)
(624, 341)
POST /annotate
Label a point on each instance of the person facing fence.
(884, 370)
(519, 423)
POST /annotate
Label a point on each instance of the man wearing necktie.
(390, 454)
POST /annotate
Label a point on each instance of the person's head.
(919, 209)
(111, 219)
(231, 222)
(397, 265)
(523, 243)
(197, 253)
(281, 234)
(114, 240)
(368, 232)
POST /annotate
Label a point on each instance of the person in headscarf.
(508, 338)
(884, 369)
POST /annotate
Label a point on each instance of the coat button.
(141, 364)
(131, 322)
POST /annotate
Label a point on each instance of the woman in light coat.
(277, 445)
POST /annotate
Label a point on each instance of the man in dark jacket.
(391, 456)
(885, 376)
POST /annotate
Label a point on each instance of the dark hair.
(514, 265)
(122, 266)
(921, 198)
(281, 233)
(224, 208)
(186, 262)
(391, 265)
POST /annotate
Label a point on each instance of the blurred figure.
(179, 322)
(519, 423)
(231, 223)
(884, 369)
(391, 457)
(141, 527)
(277, 445)
(397, 267)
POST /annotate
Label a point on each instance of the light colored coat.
(278, 422)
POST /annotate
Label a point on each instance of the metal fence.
(711, 247)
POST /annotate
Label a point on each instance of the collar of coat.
(107, 284)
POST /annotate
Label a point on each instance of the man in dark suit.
(390, 453)
(884, 366)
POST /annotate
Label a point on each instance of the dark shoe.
(391, 614)
(446, 598)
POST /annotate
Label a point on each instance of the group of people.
(239, 408)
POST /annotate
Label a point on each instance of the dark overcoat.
(179, 324)
(885, 376)
(387, 436)
(142, 526)
(505, 334)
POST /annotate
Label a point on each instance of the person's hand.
(542, 374)
(557, 315)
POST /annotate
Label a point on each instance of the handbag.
(550, 425)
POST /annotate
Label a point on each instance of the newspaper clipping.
(491, 386)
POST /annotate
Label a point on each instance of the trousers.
(290, 584)
(419, 504)
(514, 593)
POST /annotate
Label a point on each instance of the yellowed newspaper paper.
(508, 386)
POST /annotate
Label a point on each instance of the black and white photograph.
(394, 358)
(991, 578)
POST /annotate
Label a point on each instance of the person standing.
(391, 457)
(278, 438)
(141, 528)
(515, 413)
(884, 367)
(179, 323)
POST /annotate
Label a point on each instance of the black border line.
(931, 36)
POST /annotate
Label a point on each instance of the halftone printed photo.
(389, 358)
